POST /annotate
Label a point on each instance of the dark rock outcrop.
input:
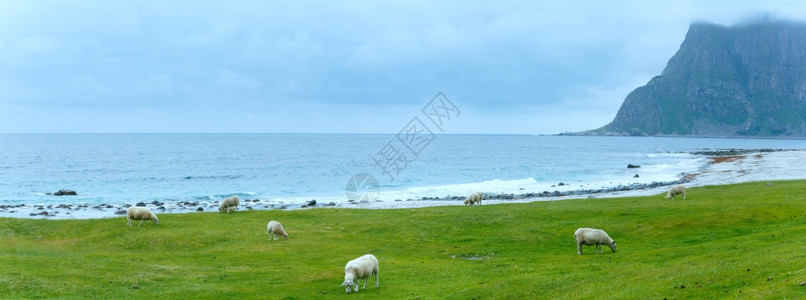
(65, 193)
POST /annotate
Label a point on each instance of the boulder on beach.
(65, 192)
(631, 166)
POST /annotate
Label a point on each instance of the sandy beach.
(719, 170)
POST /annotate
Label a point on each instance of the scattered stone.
(43, 213)
(631, 166)
(155, 203)
(140, 204)
(560, 184)
(120, 212)
(200, 209)
(636, 176)
(312, 203)
(65, 193)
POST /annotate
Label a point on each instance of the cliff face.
(744, 80)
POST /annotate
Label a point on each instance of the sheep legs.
(579, 248)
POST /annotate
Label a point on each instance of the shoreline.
(723, 167)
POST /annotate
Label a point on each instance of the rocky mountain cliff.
(740, 81)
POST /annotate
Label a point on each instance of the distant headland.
(746, 80)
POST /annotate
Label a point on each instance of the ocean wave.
(213, 177)
(242, 195)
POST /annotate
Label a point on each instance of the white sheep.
(275, 229)
(676, 190)
(142, 214)
(360, 268)
(474, 198)
(590, 236)
(230, 203)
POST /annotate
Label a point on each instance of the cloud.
(304, 66)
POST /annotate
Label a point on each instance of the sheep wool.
(142, 214)
(590, 236)
(230, 203)
(360, 268)
(275, 229)
(474, 199)
(676, 190)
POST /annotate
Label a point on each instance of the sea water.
(295, 168)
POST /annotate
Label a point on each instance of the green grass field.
(736, 241)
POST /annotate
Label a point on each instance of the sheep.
(474, 198)
(276, 229)
(360, 268)
(590, 236)
(230, 203)
(676, 190)
(142, 214)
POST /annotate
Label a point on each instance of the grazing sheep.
(142, 214)
(474, 198)
(589, 236)
(230, 203)
(360, 268)
(676, 190)
(275, 229)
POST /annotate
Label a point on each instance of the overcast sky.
(533, 67)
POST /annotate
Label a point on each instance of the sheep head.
(349, 284)
(613, 247)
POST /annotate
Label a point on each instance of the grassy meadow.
(736, 241)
